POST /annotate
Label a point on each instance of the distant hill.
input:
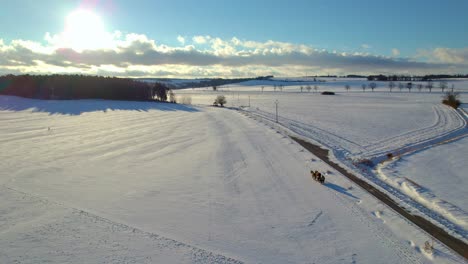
(176, 83)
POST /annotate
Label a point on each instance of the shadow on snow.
(339, 189)
(78, 107)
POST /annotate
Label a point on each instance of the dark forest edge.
(70, 87)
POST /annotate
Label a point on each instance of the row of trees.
(391, 85)
(280, 88)
(66, 87)
(308, 88)
(406, 78)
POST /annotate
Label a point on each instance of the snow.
(442, 172)
(359, 126)
(338, 85)
(94, 181)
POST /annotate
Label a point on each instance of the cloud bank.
(136, 55)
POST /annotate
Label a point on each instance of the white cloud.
(137, 55)
(201, 39)
(446, 55)
(366, 46)
(181, 39)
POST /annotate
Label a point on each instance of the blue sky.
(413, 31)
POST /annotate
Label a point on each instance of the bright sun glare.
(84, 30)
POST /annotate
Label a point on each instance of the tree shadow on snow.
(339, 189)
(78, 107)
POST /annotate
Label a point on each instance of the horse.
(322, 179)
(314, 174)
(317, 176)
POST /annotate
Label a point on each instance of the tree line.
(443, 85)
(67, 87)
(405, 78)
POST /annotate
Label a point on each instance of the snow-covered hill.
(108, 182)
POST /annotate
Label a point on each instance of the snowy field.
(359, 126)
(443, 172)
(94, 181)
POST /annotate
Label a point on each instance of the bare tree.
(401, 86)
(160, 92)
(372, 85)
(315, 88)
(443, 85)
(391, 85)
(364, 86)
(274, 87)
(409, 86)
(302, 88)
(263, 87)
(347, 87)
(429, 86)
(420, 86)
(308, 88)
(172, 97)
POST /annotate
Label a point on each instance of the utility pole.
(276, 103)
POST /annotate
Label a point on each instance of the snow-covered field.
(442, 171)
(96, 181)
(359, 126)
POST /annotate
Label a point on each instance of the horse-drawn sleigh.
(316, 175)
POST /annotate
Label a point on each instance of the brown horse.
(317, 176)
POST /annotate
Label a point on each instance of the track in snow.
(448, 124)
(453, 243)
(73, 224)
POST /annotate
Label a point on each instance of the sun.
(84, 30)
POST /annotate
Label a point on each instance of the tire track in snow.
(440, 234)
(266, 208)
(315, 218)
(448, 124)
(380, 232)
(441, 122)
(198, 255)
(330, 139)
